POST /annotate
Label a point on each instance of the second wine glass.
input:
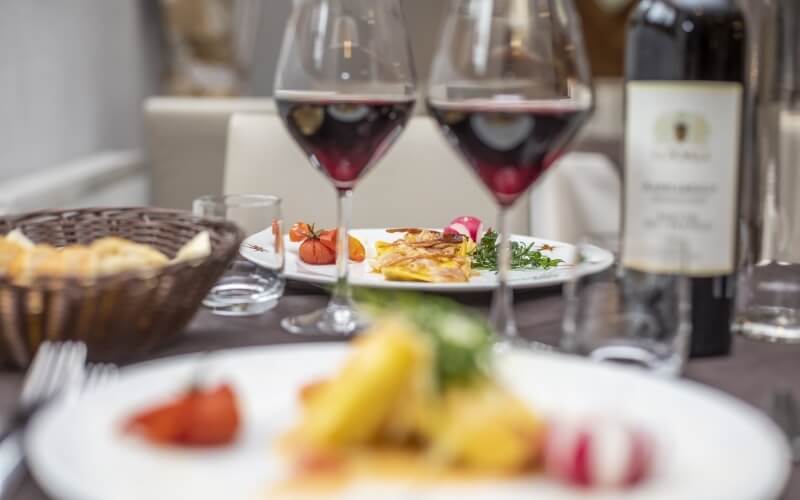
(510, 87)
(345, 89)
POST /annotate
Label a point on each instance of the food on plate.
(597, 453)
(355, 248)
(523, 256)
(299, 231)
(418, 385)
(452, 256)
(468, 226)
(425, 255)
(197, 418)
(23, 261)
(311, 240)
(418, 399)
(313, 251)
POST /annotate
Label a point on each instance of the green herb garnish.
(522, 256)
(462, 339)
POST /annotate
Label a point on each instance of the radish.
(600, 455)
(468, 226)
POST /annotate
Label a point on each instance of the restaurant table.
(751, 373)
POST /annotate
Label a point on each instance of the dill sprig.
(523, 256)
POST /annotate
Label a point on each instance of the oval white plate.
(709, 445)
(596, 260)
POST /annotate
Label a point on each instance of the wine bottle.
(685, 100)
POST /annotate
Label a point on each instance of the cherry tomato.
(197, 418)
(328, 238)
(160, 425)
(213, 417)
(313, 251)
(299, 231)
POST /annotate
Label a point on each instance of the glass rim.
(244, 200)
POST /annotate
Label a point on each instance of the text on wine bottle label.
(682, 157)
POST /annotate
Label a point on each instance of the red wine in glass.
(509, 145)
(343, 138)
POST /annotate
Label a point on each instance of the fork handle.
(12, 463)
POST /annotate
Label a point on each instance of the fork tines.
(56, 366)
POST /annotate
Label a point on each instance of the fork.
(97, 375)
(56, 367)
(785, 413)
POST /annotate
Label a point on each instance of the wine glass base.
(333, 320)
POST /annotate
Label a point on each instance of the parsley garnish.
(522, 256)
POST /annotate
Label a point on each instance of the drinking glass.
(510, 87)
(768, 298)
(629, 317)
(248, 288)
(345, 89)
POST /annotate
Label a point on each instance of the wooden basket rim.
(231, 236)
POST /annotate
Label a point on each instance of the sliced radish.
(468, 226)
(601, 454)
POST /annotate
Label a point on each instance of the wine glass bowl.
(345, 88)
(344, 138)
(510, 88)
(346, 48)
(530, 49)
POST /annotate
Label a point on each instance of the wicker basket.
(120, 316)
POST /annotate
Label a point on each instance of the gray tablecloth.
(750, 374)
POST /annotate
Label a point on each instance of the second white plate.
(595, 260)
(709, 446)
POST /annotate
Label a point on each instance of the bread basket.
(120, 316)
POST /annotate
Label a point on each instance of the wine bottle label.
(682, 156)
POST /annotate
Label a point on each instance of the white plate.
(710, 446)
(596, 260)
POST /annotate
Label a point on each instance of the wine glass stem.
(501, 316)
(342, 295)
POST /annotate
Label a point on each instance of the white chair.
(420, 183)
(579, 198)
(185, 140)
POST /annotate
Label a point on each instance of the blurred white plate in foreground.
(710, 446)
(360, 273)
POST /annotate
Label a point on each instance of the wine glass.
(510, 87)
(345, 88)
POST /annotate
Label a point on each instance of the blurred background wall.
(424, 16)
(74, 76)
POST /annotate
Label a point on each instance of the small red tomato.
(328, 238)
(299, 231)
(161, 425)
(313, 251)
(213, 417)
(197, 418)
